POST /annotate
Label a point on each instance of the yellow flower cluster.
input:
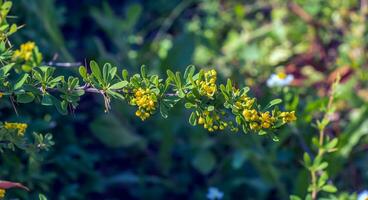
(2, 193)
(264, 120)
(21, 127)
(1, 94)
(146, 101)
(288, 116)
(211, 121)
(25, 51)
(258, 120)
(244, 102)
(207, 87)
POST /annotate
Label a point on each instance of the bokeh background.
(116, 156)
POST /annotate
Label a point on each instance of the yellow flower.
(266, 120)
(21, 127)
(211, 121)
(1, 94)
(146, 101)
(245, 102)
(201, 120)
(281, 75)
(250, 115)
(25, 51)
(254, 126)
(288, 116)
(208, 87)
(2, 193)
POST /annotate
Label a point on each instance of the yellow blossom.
(281, 75)
(266, 120)
(208, 86)
(245, 102)
(25, 51)
(1, 94)
(288, 116)
(2, 193)
(146, 101)
(211, 121)
(258, 120)
(20, 127)
(250, 115)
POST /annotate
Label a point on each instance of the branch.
(63, 64)
(300, 12)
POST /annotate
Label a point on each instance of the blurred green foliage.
(105, 156)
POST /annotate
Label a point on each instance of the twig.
(64, 64)
(13, 105)
(296, 9)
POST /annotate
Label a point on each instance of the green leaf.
(293, 197)
(13, 29)
(32, 89)
(42, 197)
(21, 82)
(27, 97)
(332, 144)
(96, 72)
(211, 108)
(83, 72)
(245, 90)
(125, 74)
(262, 132)
(193, 119)
(238, 120)
(143, 71)
(171, 75)
(322, 179)
(204, 162)
(307, 159)
(61, 107)
(163, 111)
(106, 72)
(4, 70)
(181, 94)
(178, 80)
(273, 103)
(322, 166)
(189, 105)
(115, 95)
(275, 138)
(189, 71)
(112, 73)
(118, 85)
(46, 100)
(329, 188)
(6, 6)
(229, 86)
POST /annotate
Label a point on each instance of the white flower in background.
(214, 194)
(363, 195)
(280, 80)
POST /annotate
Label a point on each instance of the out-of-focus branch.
(300, 12)
(64, 64)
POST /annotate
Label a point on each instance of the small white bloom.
(363, 195)
(214, 194)
(280, 80)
